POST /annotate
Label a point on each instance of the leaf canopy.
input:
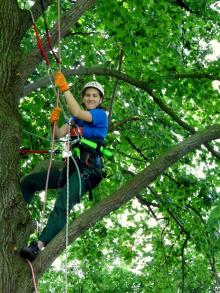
(166, 239)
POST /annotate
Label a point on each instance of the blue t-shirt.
(97, 128)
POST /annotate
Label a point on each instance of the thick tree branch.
(36, 11)
(42, 82)
(145, 85)
(182, 5)
(119, 124)
(122, 195)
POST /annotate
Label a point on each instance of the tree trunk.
(14, 217)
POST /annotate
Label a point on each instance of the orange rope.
(53, 131)
(33, 276)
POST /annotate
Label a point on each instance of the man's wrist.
(66, 90)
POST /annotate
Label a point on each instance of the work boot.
(30, 252)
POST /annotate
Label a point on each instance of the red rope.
(33, 276)
(48, 34)
(40, 45)
(26, 151)
(50, 47)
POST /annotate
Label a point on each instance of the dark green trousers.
(57, 219)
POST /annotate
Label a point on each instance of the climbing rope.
(58, 60)
(50, 73)
(33, 276)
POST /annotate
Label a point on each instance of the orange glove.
(55, 115)
(61, 82)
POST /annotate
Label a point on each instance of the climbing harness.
(66, 150)
(96, 146)
(72, 149)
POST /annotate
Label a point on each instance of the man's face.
(91, 98)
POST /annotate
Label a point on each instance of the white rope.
(69, 155)
(79, 175)
(47, 179)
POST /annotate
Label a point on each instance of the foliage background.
(167, 238)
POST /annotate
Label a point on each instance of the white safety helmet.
(95, 85)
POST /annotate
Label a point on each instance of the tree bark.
(14, 218)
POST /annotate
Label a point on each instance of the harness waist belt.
(96, 146)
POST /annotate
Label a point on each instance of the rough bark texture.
(12, 210)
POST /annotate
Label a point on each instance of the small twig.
(114, 88)
(116, 125)
(183, 261)
(137, 149)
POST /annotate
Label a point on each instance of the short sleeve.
(99, 117)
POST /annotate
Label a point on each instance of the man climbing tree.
(80, 174)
